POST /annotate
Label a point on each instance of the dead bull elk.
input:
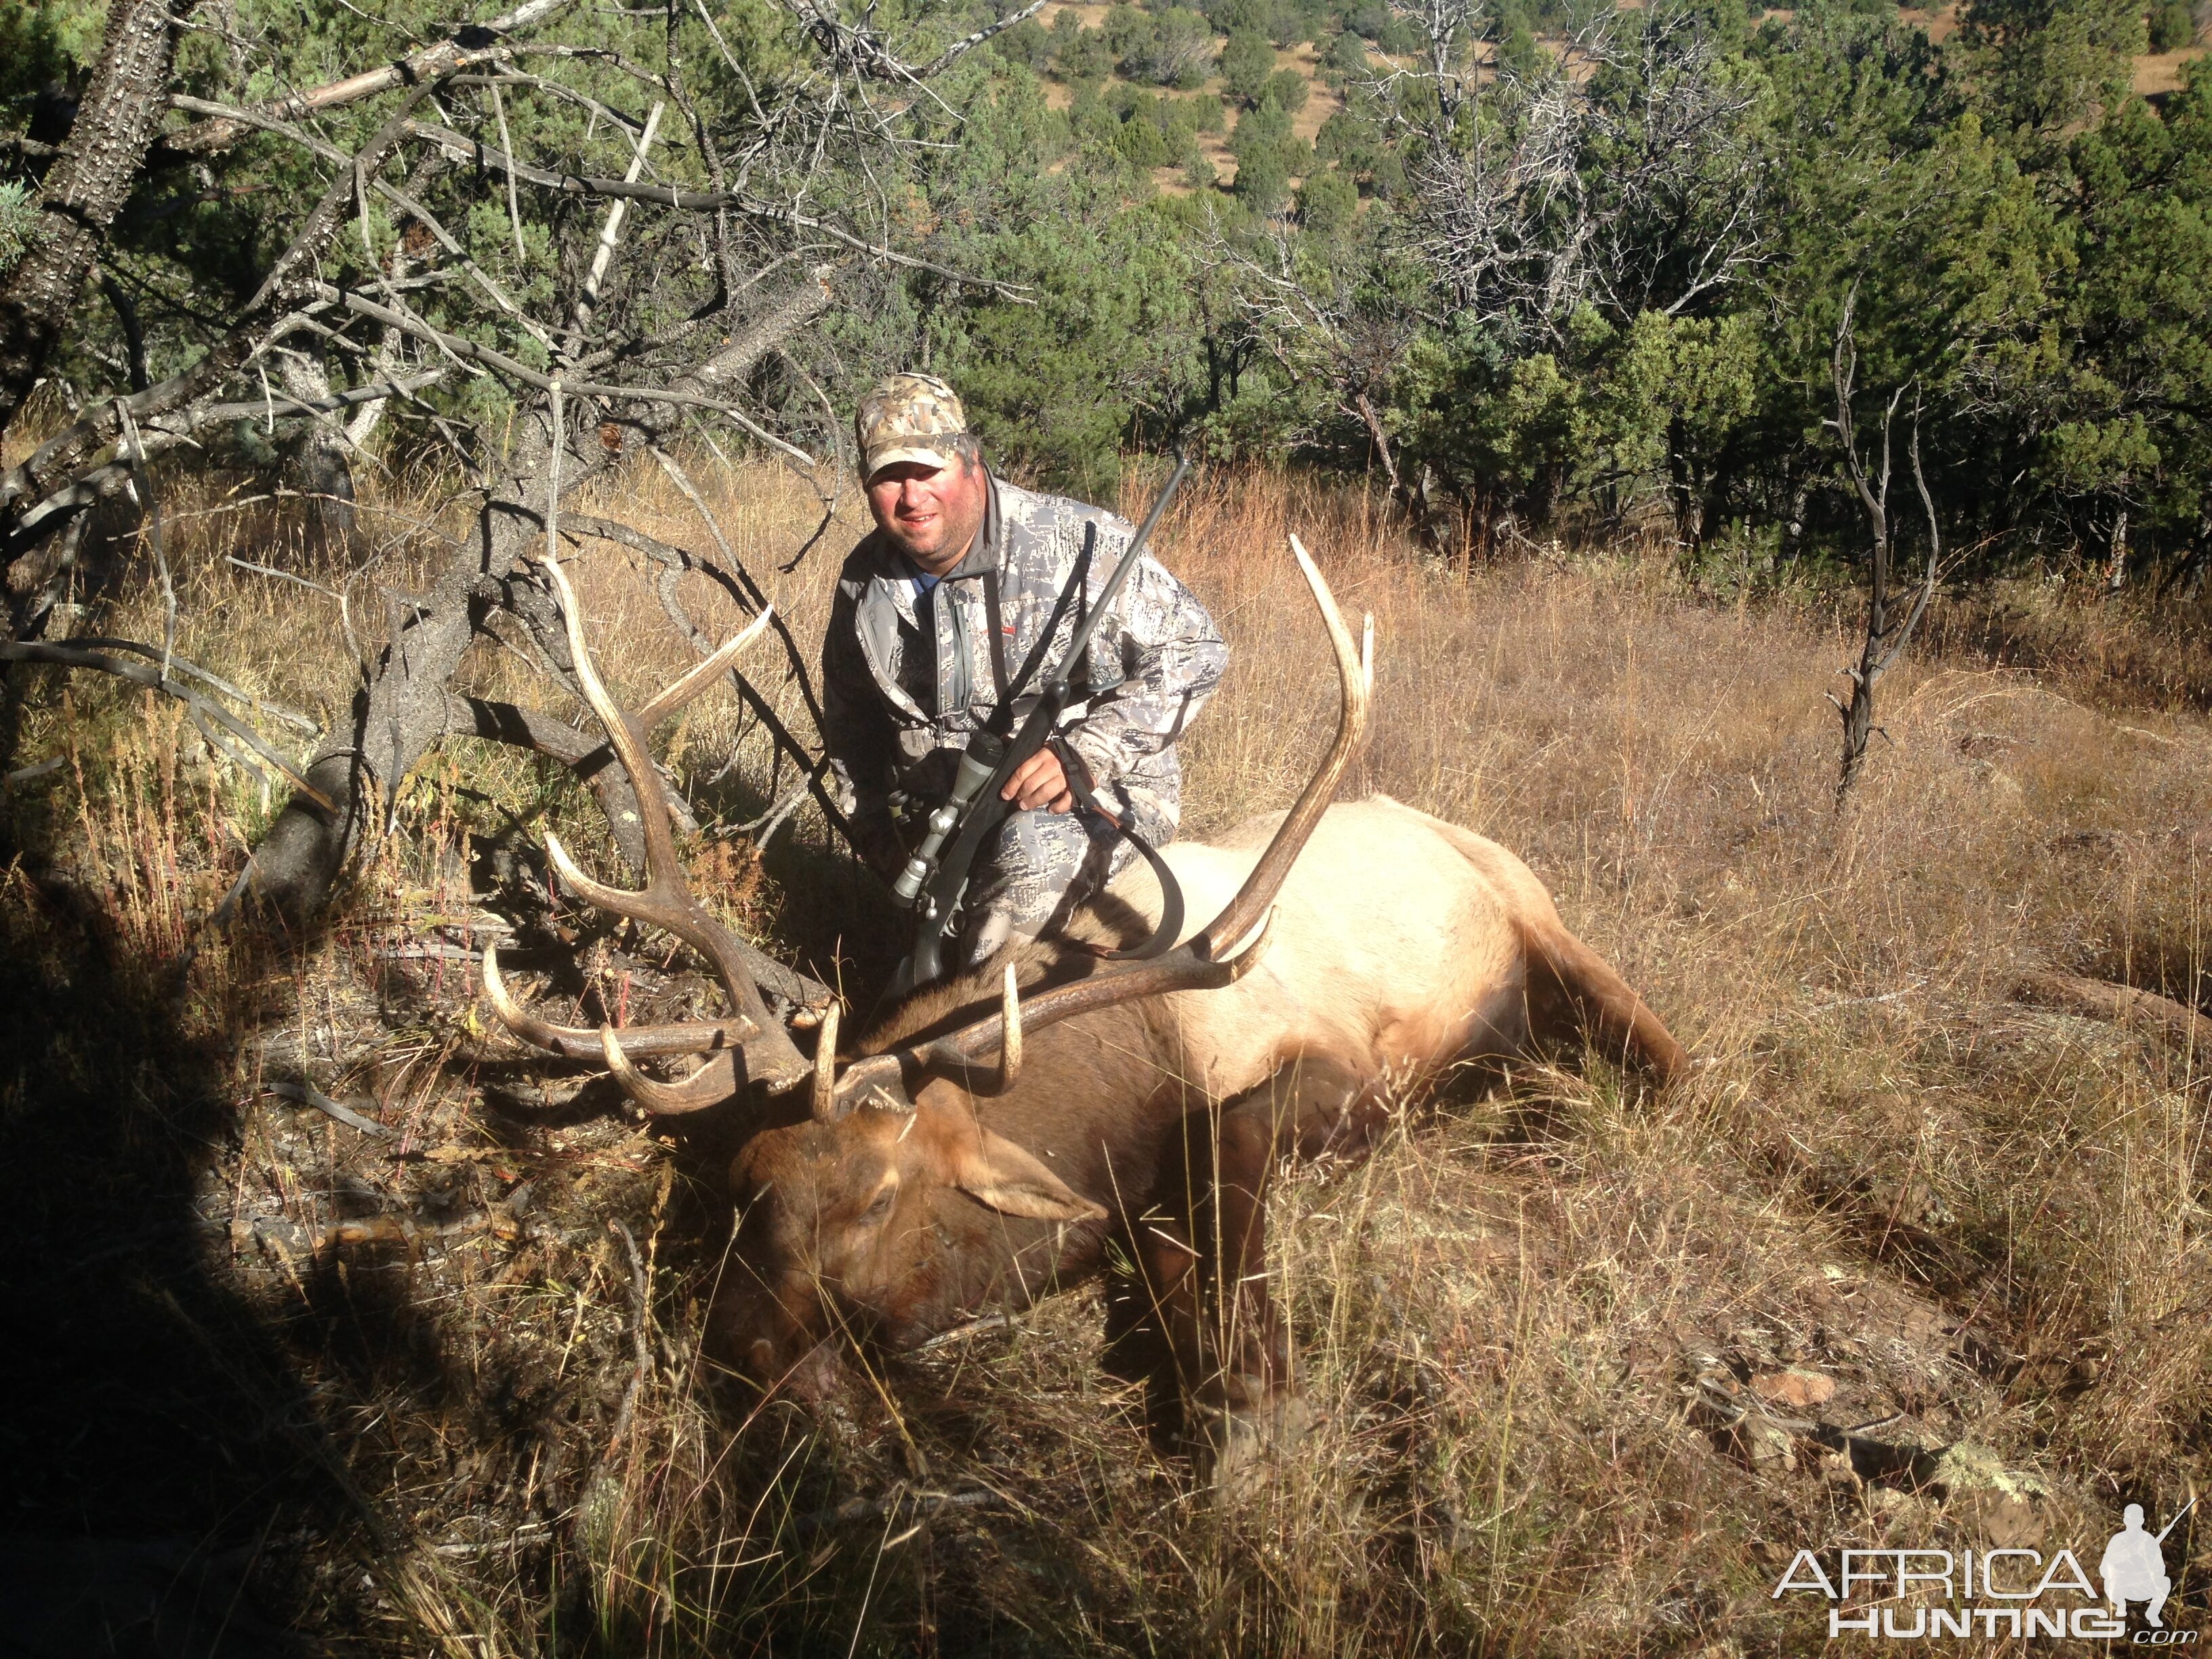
(970, 1157)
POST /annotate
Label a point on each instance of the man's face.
(932, 513)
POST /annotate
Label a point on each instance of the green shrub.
(1141, 143)
(1090, 118)
(1028, 44)
(1079, 53)
(1246, 63)
(2172, 26)
(1262, 182)
(1347, 57)
(1370, 18)
(1177, 50)
(1286, 23)
(1126, 29)
(1327, 202)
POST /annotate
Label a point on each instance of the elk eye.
(881, 1207)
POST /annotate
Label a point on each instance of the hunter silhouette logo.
(2134, 1567)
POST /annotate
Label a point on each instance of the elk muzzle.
(782, 1340)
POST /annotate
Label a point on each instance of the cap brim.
(919, 457)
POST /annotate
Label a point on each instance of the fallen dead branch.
(294, 1238)
(307, 1094)
(2174, 1024)
(62, 656)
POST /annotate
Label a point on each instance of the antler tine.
(666, 902)
(1204, 963)
(962, 1054)
(825, 1066)
(672, 697)
(1010, 1028)
(711, 1084)
(964, 1050)
(627, 737)
(837, 1093)
(1249, 907)
(696, 1037)
(1180, 969)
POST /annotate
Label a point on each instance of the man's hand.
(1039, 782)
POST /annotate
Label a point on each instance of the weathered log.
(2173, 1024)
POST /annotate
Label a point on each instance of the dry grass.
(1983, 1221)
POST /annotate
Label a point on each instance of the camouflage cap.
(903, 418)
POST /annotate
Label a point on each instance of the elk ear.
(991, 1169)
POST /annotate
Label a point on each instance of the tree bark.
(321, 467)
(84, 191)
(1372, 417)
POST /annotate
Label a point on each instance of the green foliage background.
(2030, 244)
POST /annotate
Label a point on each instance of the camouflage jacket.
(906, 676)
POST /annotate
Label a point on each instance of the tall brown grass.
(1982, 1220)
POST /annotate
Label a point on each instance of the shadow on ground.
(164, 1465)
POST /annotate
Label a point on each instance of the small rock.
(1797, 1389)
(1836, 1469)
(1763, 1444)
(2006, 1520)
(1965, 1467)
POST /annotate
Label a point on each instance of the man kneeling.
(941, 613)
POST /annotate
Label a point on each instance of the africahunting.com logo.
(1999, 1592)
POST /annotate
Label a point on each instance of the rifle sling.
(1171, 907)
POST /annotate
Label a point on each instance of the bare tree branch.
(485, 156)
(470, 46)
(70, 656)
(1886, 637)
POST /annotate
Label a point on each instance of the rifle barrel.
(1089, 625)
(2176, 1522)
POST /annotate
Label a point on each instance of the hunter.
(938, 614)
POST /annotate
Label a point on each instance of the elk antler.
(1200, 965)
(666, 902)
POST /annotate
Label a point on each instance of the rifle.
(933, 889)
(2176, 1522)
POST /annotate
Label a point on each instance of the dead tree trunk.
(1886, 635)
(320, 465)
(2116, 560)
(1372, 419)
(659, 347)
(402, 710)
(83, 189)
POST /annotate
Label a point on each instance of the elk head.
(894, 1208)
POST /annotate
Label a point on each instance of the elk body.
(976, 1156)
